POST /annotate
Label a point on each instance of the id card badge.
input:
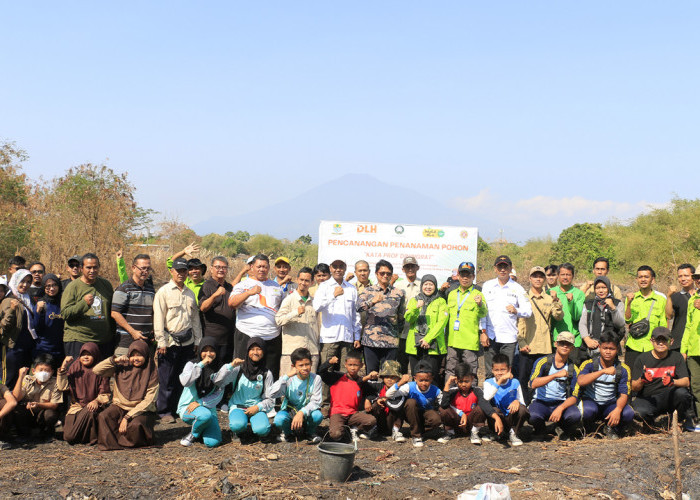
(456, 326)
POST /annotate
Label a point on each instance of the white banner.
(438, 249)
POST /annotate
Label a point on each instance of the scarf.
(252, 369)
(204, 383)
(23, 298)
(56, 299)
(84, 385)
(133, 382)
(422, 322)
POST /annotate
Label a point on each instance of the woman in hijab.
(89, 393)
(252, 383)
(48, 319)
(601, 312)
(197, 405)
(426, 315)
(129, 420)
(20, 349)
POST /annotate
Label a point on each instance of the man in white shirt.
(411, 288)
(336, 300)
(256, 301)
(506, 301)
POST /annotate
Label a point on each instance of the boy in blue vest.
(302, 394)
(603, 385)
(553, 381)
(421, 401)
(504, 392)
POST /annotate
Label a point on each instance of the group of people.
(279, 354)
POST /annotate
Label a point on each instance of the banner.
(438, 249)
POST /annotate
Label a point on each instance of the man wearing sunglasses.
(73, 269)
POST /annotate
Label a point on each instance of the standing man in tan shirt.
(299, 324)
(177, 332)
(535, 332)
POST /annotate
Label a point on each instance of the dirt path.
(639, 465)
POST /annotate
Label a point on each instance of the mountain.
(352, 197)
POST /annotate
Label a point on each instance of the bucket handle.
(354, 441)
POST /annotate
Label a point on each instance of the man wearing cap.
(132, 306)
(73, 269)
(660, 378)
(411, 288)
(534, 332)
(177, 332)
(506, 302)
(282, 276)
(336, 300)
(466, 307)
(601, 267)
(256, 301)
(195, 269)
(690, 345)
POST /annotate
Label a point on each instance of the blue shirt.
(556, 390)
(503, 395)
(603, 389)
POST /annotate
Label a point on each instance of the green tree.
(15, 221)
(581, 244)
(305, 239)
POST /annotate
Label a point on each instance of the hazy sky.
(542, 113)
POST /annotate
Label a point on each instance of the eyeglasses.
(660, 340)
(37, 271)
(73, 265)
(144, 269)
(220, 268)
(384, 273)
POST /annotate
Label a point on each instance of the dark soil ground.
(639, 466)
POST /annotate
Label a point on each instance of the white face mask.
(42, 376)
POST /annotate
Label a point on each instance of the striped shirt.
(136, 305)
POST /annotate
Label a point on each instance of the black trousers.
(673, 398)
(375, 356)
(170, 366)
(273, 350)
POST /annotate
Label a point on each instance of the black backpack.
(571, 368)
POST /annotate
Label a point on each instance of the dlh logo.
(367, 228)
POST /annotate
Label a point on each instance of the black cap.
(75, 258)
(503, 259)
(466, 266)
(661, 331)
(424, 366)
(197, 263)
(179, 264)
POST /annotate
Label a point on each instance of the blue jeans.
(283, 421)
(238, 421)
(205, 424)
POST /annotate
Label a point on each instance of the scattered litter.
(486, 491)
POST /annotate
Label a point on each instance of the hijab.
(56, 299)
(84, 385)
(251, 369)
(24, 298)
(133, 381)
(421, 322)
(204, 383)
(598, 301)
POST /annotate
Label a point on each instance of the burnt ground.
(639, 466)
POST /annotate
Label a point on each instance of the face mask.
(42, 376)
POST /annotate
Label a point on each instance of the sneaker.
(281, 437)
(488, 437)
(369, 434)
(611, 433)
(315, 439)
(224, 409)
(514, 439)
(4, 445)
(353, 434)
(475, 438)
(445, 438)
(417, 442)
(691, 426)
(188, 440)
(397, 436)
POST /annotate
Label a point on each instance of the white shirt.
(256, 315)
(501, 325)
(410, 289)
(340, 321)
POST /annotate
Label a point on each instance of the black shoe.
(611, 433)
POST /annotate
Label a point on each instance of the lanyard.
(460, 304)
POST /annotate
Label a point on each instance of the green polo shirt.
(572, 313)
(640, 308)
